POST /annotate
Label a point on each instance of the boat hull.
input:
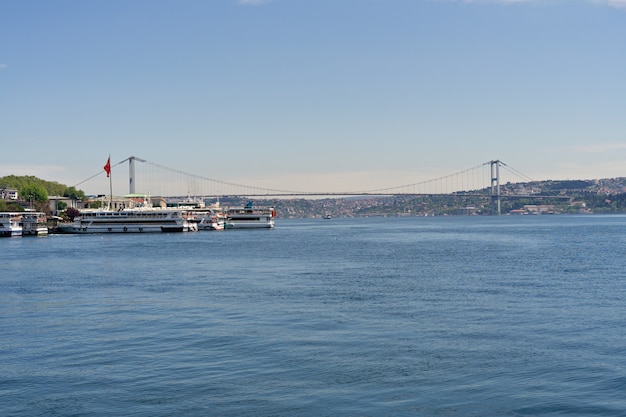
(38, 231)
(125, 228)
(13, 231)
(249, 224)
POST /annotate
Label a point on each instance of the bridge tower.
(495, 185)
(131, 173)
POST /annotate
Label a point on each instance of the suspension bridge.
(481, 180)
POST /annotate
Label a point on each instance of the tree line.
(33, 190)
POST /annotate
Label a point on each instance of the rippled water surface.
(457, 316)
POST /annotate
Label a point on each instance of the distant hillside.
(568, 196)
(601, 186)
(30, 185)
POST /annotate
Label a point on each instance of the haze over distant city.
(324, 95)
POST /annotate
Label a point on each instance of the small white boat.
(249, 217)
(203, 217)
(10, 224)
(34, 224)
(207, 219)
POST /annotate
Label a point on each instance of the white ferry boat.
(10, 224)
(34, 224)
(249, 217)
(129, 220)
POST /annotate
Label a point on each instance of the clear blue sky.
(313, 94)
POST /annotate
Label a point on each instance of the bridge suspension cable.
(471, 180)
(522, 176)
(420, 183)
(231, 184)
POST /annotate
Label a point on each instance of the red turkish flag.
(107, 167)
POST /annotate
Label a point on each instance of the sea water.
(447, 316)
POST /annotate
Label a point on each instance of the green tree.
(10, 206)
(35, 191)
(74, 194)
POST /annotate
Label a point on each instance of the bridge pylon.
(495, 185)
(131, 173)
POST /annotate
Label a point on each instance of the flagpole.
(110, 188)
(107, 169)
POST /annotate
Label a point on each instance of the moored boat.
(249, 217)
(10, 224)
(129, 220)
(207, 219)
(34, 224)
